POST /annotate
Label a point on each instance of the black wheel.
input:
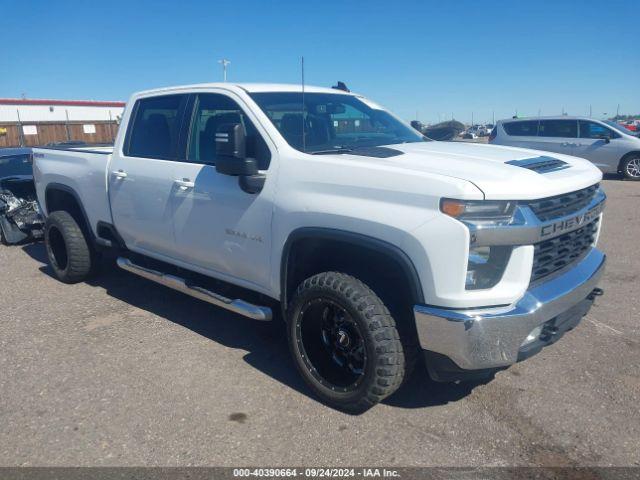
(344, 342)
(631, 167)
(67, 248)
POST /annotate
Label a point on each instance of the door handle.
(184, 184)
(120, 174)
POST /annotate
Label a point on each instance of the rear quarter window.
(521, 129)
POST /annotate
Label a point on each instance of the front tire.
(67, 248)
(631, 168)
(344, 342)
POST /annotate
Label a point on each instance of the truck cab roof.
(248, 87)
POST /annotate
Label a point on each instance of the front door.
(218, 226)
(600, 145)
(142, 178)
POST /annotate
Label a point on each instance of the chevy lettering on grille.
(570, 223)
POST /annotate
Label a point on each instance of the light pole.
(224, 62)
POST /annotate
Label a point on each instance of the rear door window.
(525, 128)
(156, 126)
(558, 128)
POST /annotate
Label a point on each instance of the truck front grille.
(557, 253)
(562, 205)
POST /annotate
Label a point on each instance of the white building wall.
(57, 113)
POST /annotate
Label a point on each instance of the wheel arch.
(625, 156)
(62, 197)
(303, 243)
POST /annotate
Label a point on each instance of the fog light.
(533, 336)
(486, 266)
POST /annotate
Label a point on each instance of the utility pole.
(224, 62)
(493, 117)
(590, 111)
(617, 111)
(472, 119)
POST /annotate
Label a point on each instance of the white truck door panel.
(217, 225)
(140, 192)
(142, 175)
(221, 228)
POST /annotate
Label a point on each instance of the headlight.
(478, 210)
(486, 266)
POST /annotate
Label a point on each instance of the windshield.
(333, 123)
(14, 165)
(619, 127)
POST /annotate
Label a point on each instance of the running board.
(237, 306)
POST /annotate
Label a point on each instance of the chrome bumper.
(492, 337)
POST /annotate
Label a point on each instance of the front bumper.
(491, 338)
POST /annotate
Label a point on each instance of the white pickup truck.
(375, 244)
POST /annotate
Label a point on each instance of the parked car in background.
(631, 125)
(20, 218)
(611, 147)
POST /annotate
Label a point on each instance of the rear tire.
(631, 168)
(344, 342)
(67, 248)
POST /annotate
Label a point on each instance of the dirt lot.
(121, 371)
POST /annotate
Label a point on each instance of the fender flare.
(74, 194)
(358, 239)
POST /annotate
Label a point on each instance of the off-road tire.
(67, 248)
(384, 368)
(630, 168)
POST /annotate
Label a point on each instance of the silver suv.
(611, 147)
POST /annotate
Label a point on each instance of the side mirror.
(231, 158)
(606, 138)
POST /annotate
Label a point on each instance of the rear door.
(218, 226)
(600, 144)
(558, 136)
(142, 176)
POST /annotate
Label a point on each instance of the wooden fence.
(41, 133)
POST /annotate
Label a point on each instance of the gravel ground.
(120, 371)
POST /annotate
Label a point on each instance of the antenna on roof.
(304, 139)
(225, 63)
(341, 86)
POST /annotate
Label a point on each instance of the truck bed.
(80, 170)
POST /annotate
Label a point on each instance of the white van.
(611, 147)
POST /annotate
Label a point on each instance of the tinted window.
(329, 121)
(558, 128)
(527, 128)
(156, 126)
(595, 130)
(213, 110)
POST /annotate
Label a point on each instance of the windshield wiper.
(332, 150)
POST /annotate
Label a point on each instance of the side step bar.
(238, 306)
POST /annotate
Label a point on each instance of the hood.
(488, 167)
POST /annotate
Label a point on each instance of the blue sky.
(433, 59)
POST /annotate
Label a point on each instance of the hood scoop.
(377, 152)
(542, 164)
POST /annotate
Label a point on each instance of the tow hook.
(596, 292)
